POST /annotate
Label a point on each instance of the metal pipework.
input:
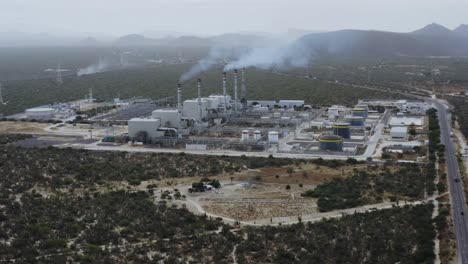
(224, 90)
(199, 100)
(235, 90)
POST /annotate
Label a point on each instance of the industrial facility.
(230, 121)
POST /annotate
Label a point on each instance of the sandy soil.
(22, 127)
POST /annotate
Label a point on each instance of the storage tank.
(245, 135)
(359, 112)
(40, 113)
(342, 129)
(355, 120)
(273, 137)
(365, 107)
(257, 135)
(331, 143)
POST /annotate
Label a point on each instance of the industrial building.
(167, 117)
(291, 103)
(272, 104)
(144, 129)
(399, 133)
(330, 143)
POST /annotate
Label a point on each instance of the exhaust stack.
(235, 90)
(179, 99)
(243, 91)
(224, 90)
(199, 101)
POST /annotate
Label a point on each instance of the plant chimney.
(243, 91)
(179, 99)
(224, 90)
(235, 90)
(199, 100)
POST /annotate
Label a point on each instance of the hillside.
(432, 40)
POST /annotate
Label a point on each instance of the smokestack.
(235, 90)
(179, 99)
(199, 100)
(90, 95)
(243, 91)
(224, 90)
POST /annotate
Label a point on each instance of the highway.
(456, 188)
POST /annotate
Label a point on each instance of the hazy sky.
(116, 17)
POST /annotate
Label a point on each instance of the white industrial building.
(40, 113)
(191, 109)
(291, 103)
(148, 125)
(167, 117)
(265, 103)
(280, 103)
(220, 99)
(399, 133)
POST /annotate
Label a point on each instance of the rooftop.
(147, 119)
(399, 129)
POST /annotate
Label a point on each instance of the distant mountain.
(432, 40)
(239, 39)
(134, 40)
(434, 30)
(462, 30)
(89, 41)
(190, 41)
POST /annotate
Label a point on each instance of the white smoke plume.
(101, 66)
(279, 55)
(276, 53)
(215, 57)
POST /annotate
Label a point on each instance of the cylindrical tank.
(40, 113)
(245, 135)
(342, 129)
(257, 135)
(365, 107)
(356, 120)
(331, 143)
(273, 137)
(359, 112)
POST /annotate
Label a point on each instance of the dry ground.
(22, 127)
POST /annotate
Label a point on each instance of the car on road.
(457, 179)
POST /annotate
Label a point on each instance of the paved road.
(456, 188)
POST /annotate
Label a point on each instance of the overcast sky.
(117, 17)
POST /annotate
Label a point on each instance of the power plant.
(219, 122)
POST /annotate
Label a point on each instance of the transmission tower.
(1, 95)
(59, 75)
